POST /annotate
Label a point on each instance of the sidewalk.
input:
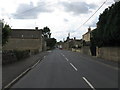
(11, 71)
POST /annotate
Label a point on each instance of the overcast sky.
(61, 16)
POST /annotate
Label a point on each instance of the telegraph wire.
(92, 15)
(22, 13)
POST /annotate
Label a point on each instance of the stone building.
(76, 43)
(72, 43)
(86, 37)
(25, 39)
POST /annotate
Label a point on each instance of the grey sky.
(78, 7)
(29, 11)
(61, 16)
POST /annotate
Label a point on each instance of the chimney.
(74, 38)
(36, 28)
(89, 29)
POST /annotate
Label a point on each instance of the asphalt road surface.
(65, 69)
(0, 69)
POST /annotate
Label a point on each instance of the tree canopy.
(107, 32)
(46, 32)
(51, 42)
(47, 36)
(5, 34)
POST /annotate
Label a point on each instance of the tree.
(46, 32)
(51, 42)
(47, 37)
(5, 34)
(107, 32)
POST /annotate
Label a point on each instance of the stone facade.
(44, 45)
(86, 37)
(26, 33)
(24, 39)
(76, 43)
(72, 43)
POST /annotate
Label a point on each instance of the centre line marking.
(73, 66)
(44, 56)
(88, 83)
(66, 59)
(63, 54)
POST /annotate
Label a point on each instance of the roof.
(26, 29)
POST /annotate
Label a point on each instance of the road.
(66, 69)
(0, 69)
(13, 70)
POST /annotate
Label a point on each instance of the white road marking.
(13, 81)
(70, 63)
(88, 83)
(44, 57)
(35, 64)
(49, 51)
(73, 66)
(62, 54)
(66, 59)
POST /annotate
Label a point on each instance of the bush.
(8, 56)
(21, 54)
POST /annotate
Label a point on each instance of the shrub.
(21, 54)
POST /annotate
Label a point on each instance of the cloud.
(116, 0)
(66, 20)
(29, 11)
(93, 22)
(78, 7)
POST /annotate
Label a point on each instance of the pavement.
(11, 71)
(66, 69)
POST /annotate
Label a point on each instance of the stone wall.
(76, 50)
(23, 44)
(85, 50)
(109, 53)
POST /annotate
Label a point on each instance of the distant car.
(60, 48)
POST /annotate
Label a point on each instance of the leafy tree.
(46, 32)
(107, 32)
(5, 34)
(51, 42)
(47, 37)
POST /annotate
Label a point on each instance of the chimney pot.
(74, 38)
(89, 29)
(36, 28)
